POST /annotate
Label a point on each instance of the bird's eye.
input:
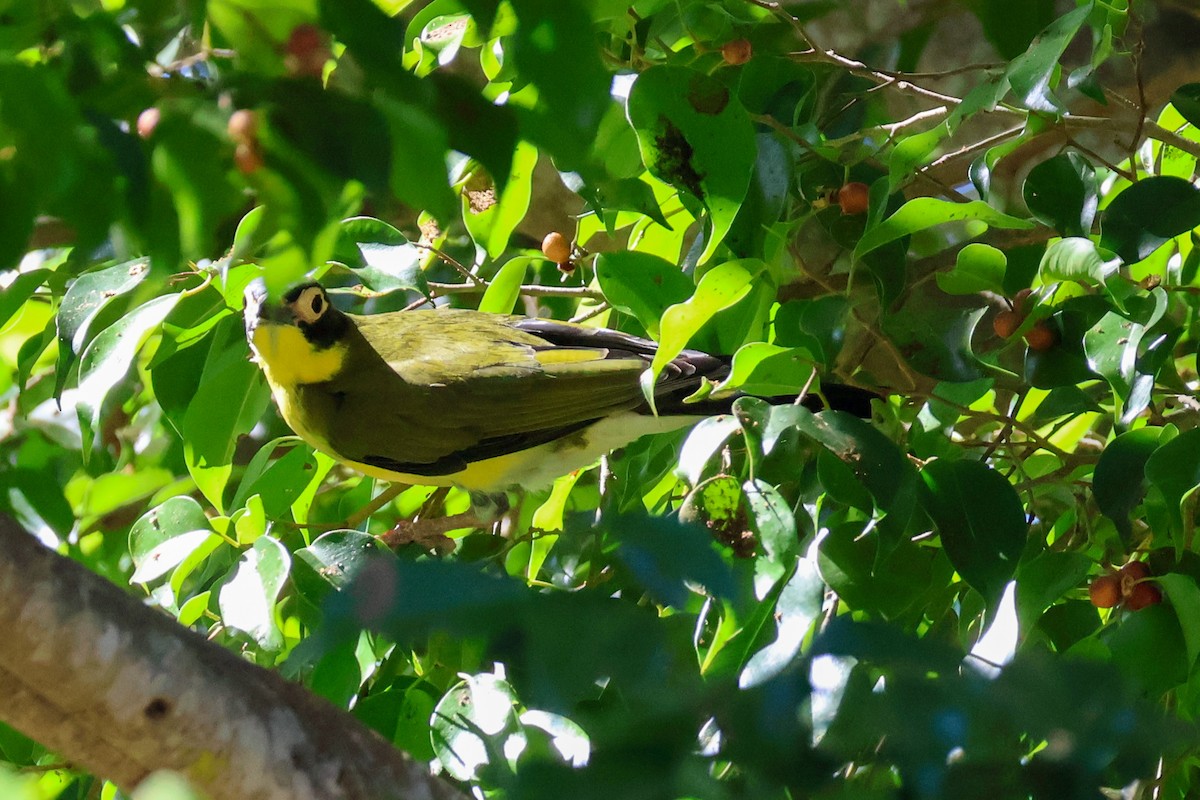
(310, 305)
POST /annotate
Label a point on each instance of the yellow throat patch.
(288, 359)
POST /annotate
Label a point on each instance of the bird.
(462, 398)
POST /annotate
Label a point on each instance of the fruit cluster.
(1040, 336)
(1128, 586)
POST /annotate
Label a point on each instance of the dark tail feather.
(837, 396)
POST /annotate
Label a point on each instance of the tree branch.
(123, 690)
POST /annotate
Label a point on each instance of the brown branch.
(123, 690)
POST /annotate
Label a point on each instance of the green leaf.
(491, 227)
(875, 459)
(912, 152)
(1044, 580)
(799, 604)
(721, 287)
(1174, 470)
(380, 255)
(1030, 74)
(19, 291)
(769, 370)
(169, 554)
(849, 563)
(332, 561)
(247, 599)
(478, 706)
(176, 516)
(665, 556)
(1075, 259)
(980, 520)
(1184, 595)
(776, 527)
(505, 289)
(1146, 215)
(642, 285)
(1186, 100)
(978, 268)
(1119, 482)
(702, 443)
(1148, 646)
(278, 481)
(922, 213)
(108, 358)
(554, 48)
(230, 400)
(1061, 192)
(419, 144)
(695, 135)
(402, 716)
(86, 297)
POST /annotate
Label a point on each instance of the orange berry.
(303, 40)
(737, 52)
(1143, 594)
(306, 51)
(854, 197)
(1131, 576)
(1136, 570)
(248, 158)
(1005, 323)
(243, 126)
(556, 248)
(1105, 591)
(147, 121)
(1041, 337)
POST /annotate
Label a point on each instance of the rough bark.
(123, 690)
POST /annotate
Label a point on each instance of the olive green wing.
(427, 392)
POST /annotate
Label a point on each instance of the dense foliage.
(997, 236)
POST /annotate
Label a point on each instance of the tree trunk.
(123, 690)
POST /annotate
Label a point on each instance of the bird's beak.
(255, 305)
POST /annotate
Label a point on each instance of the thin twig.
(441, 289)
(452, 261)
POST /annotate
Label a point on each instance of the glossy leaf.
(642, 285)
(1142, 218)
(1119, 482)
(720, 288)
(695, 135)
(978, 268)
(1061, 192)
(980, 520)
(928, 212)
(1075, 259)
(247, 600)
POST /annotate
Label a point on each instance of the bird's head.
(300, 335)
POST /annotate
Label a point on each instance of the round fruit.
(556, 248)
(854, 197)
(306, 51)
(1019, 300)
(1137, 570)
(248, 158)
(1144, 594)
(243, 126)
(737, 52)
(1105, 591)
(304, 40)
(1005, 323)
(1041, 337)
(147, 121)
(1131, 574)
